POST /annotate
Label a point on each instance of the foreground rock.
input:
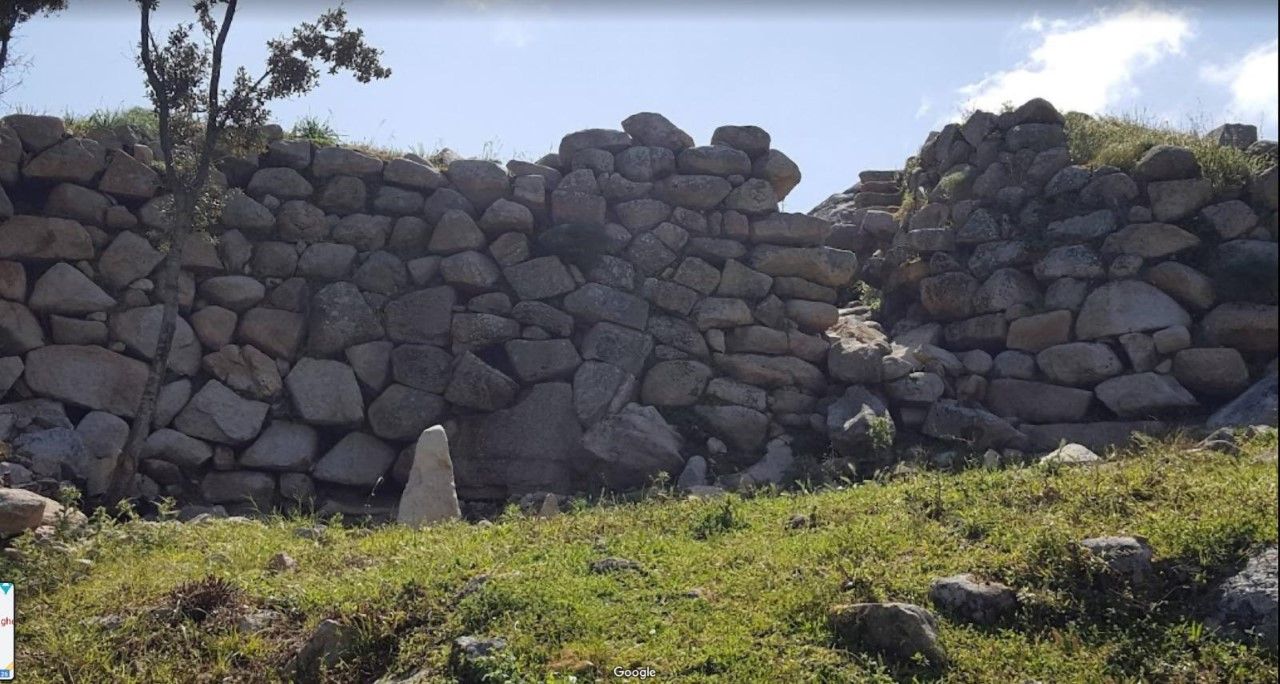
(1258, 405)
(1070, 454)
(21, 510)
(1128, 557)
(324, 649)
(470, 658)
(1246, 607)
(429, 495)
(899, 631)
(966, 598)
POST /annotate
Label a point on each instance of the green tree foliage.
(199, 119)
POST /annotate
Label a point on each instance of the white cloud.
(926, 105)
(1252, 82)
(1085, 65)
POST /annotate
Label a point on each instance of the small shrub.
(140, 119)
(722, 518)
(315, 129)
(880, 428)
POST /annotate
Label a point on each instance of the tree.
(14, 13)
(197, 120)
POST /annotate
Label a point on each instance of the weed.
(1121, 140)
(315, 129)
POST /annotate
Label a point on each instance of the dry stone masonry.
(589, 320)
(633, 304)
(1028, 300)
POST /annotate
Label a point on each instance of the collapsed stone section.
(1029, 299)
(587, 320)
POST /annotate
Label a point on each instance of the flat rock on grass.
(971, 600)
(899, 631)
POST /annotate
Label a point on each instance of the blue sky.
(841, 86)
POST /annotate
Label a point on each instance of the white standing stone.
(429, 496)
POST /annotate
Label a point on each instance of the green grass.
(729, 592)
(315, 129)
(1120, 141)
(140, 118)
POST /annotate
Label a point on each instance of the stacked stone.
(1034, 300)
(864, 219)
(558, 317)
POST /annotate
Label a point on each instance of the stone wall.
(582, 322)
(1028, 300)
(630, 305)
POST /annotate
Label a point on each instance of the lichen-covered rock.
(900, 631)
(1246, 607)
(971, 600)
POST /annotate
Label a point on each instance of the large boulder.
(531, 446)
(1127, 306)
(539, 278)
(743, 429)
(1215, 371)
(56, 452)
(1167, 162)
(674, 383)
(601, 388)
(1258, 405)
(859, 424)
(1244, 326)
(87, 376)
(357, 460)
(401, 412)
(542, 360)
(63, 289)
(220, 415)
(20, 331)
(184, 451)
(634, 445)
(75, 160)
(128, 258)
(139, 330)
(283, 446)
(1038, 402)
(771, 371)
(325, 392)
(1079, 364)
(822, 265)
(1143, 394)
(129, 178)
(481, 182)
(21, 510)
(48, 239)
(595, 302)
(424, 316)
(1172, 200)
(1246, 270)
(1246, 606)
(339, 318)
(475, 384)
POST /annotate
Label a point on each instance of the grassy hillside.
(730, 590)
